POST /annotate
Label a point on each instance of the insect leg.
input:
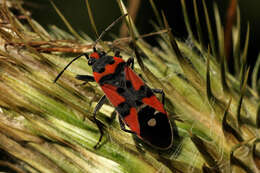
(99, 124)
(113, 115)
(85, 78)
(160, 91)
(117, 54)
(130, 62)
(122, 126)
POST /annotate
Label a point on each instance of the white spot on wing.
(151, 122)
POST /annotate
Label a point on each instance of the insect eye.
(102, 53)
(91, 61)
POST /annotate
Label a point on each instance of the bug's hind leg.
(130, 62)
(99, 124)
(122, 126)
(160, 91)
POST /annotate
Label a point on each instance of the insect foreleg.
(99, 124)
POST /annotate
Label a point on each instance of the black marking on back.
(149, 92)
(138, 103)
(101, 63)
(123, 109)
(120, 90)
(159, 135)
(114, 77)
(111, 62)
(142, 88)
(144, 91)
(101, 70)
(128, 84)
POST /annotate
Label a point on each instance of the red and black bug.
(135, 102)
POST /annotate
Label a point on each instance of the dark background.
(105, 11)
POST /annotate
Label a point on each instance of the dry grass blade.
(198, 26)
(205, 151)
(243, 90)
(186, 66)
(239, 163)
(71, 29)
(228, 130)
(236, 43)
(220, 32)
(128, 18)
(91, 18)
(244, 57)
(255, 155)
(210, 95)
(223, 73)
(210, 32)
(34, 27)
(244, 54)
(255, 73)
(172, 40)
(158, 18)
(186, 20)
(12, 167)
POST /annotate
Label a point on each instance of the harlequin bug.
(135, 102)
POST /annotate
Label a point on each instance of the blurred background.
(106, 11)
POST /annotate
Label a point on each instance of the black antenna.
(108, 28)
(94, 46)
(59, 75)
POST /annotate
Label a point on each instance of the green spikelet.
(47, 127)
